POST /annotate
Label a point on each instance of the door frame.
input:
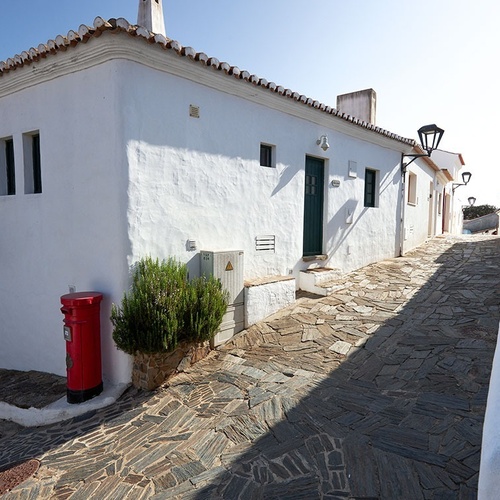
(313, 217)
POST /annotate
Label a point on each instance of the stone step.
(318, 280)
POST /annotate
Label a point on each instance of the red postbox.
(82, 332)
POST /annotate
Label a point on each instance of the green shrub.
(163, 308)
(206, 304)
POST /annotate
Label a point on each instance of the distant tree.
(475, 212)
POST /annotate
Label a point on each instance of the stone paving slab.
(30, 389)
(279, 413)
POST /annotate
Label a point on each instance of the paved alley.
(377, 391)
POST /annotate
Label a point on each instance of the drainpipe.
(402, 224)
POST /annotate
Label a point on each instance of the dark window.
(10, 166)
(32, 163)
(37, 171)
(370, 187)
(266, 155)
(7, 167)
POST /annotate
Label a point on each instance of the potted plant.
(166, 320)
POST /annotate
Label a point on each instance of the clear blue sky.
(430, 61)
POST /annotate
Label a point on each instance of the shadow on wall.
(287, 174)
(339, 227)
(402, 416)
(347, 218)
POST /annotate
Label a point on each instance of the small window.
(7, 167)
(371, 188)
(412, 189)
(266, 155)
(440, 204)
(32, 163)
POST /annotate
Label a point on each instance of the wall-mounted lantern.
(471, 200)
(322, 142)
(430, 136)
(465, 180)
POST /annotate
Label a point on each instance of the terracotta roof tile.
(121, 25)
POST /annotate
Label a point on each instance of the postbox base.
(76, 397)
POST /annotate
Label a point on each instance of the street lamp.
(471, 200)
(430, 137)
(465, 180)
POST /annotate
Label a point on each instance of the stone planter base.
(150, 371)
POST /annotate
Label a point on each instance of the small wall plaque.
(352, 169)
(194, 111)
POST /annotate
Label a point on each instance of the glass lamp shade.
(466, 177)
(430, 137)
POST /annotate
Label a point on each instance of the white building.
(428, 198)
(118, 143)
(452, 165)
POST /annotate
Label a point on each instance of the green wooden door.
(313, 206)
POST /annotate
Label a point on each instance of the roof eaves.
(120, 25)
(447, 174)
(427, 159)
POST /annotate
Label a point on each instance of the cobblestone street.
(377, 391)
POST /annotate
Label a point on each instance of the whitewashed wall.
(452, 213)
(417, 226)
(354, 234)
(438, 204)
(200, 179)
(74, 232)
(489, 478)
(126, 173)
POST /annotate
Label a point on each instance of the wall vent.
(266, 243)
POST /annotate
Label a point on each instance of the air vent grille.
(266, 243)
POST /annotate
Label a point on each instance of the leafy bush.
(206, 304)
(163, 308)
(476, 211)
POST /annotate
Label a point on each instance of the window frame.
(8, 167)
(412, 189)
(32, 163)
(267, 155)
(371, 179)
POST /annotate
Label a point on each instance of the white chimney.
(151, 16)
(361, 104)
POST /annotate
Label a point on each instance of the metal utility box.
(82, 333)
(227, 266)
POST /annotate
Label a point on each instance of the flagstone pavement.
(377, 391)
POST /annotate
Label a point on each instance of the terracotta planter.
(150, 371)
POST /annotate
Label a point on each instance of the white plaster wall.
(416, 216)
(263, 300)
(200, 179)
(126, 173)
(458, 201)
(452, 215)
(370, 234)
(489, 478)
(438, 207)
(74, 232)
